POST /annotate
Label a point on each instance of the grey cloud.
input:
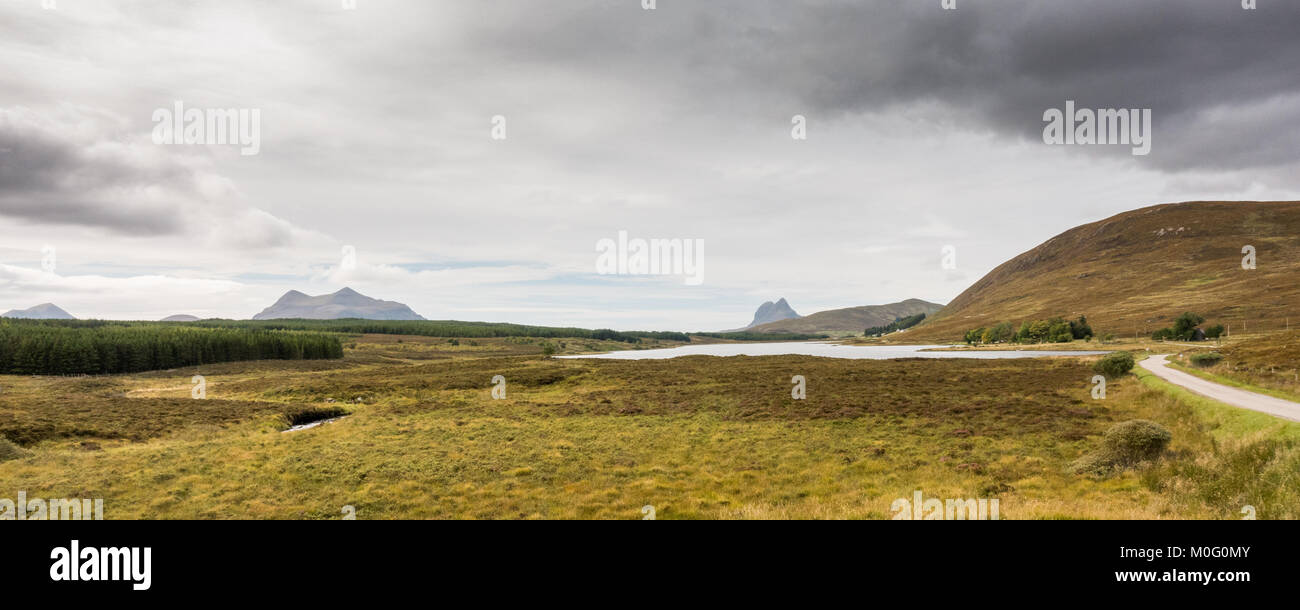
(998, 62)
(79, 167)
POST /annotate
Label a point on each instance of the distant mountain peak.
(44, 311)
(850, 319)
(773, 312)
(345, 303)
(180, 318)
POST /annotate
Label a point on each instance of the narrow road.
(1159, 366)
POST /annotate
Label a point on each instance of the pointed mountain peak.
(773, 312)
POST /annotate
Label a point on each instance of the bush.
(1206, 359)
(10, 451)
(1136, 441)
(1080, 329)
(1115, 365)
(548, 349)
(1185, 329)
(1125, 445)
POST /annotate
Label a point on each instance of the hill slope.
(851, 319)
(346, 303)
(44, 311)
(1134, 272)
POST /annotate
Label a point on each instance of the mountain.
(180, 318)
(851, 319)
(346, 303)
(44, 311)
(1135, 272)
(772, 312)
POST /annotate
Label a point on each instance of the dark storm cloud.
(1217, 77)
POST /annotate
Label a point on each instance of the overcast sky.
(924, 129)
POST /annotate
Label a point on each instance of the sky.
(472, 154)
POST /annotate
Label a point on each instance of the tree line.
(1187, 327)
(1051, 330)
(897, 325)
(77, 347)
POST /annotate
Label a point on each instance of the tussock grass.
(10, 451)
(698, 438)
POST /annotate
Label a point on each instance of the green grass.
(1226, 421)
(1236, 383)
(1227, 458)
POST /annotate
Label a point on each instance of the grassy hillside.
(850, 319)
(1134, 273)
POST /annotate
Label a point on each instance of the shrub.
(1214, 332)
(1136, 441)
(1206, 359)
(1185, 329)
(1115, 365)
(10, 451)
(1125, 445)
(548, 349)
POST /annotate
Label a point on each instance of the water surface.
(828, 350)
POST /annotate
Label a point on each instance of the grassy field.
(695, 437)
